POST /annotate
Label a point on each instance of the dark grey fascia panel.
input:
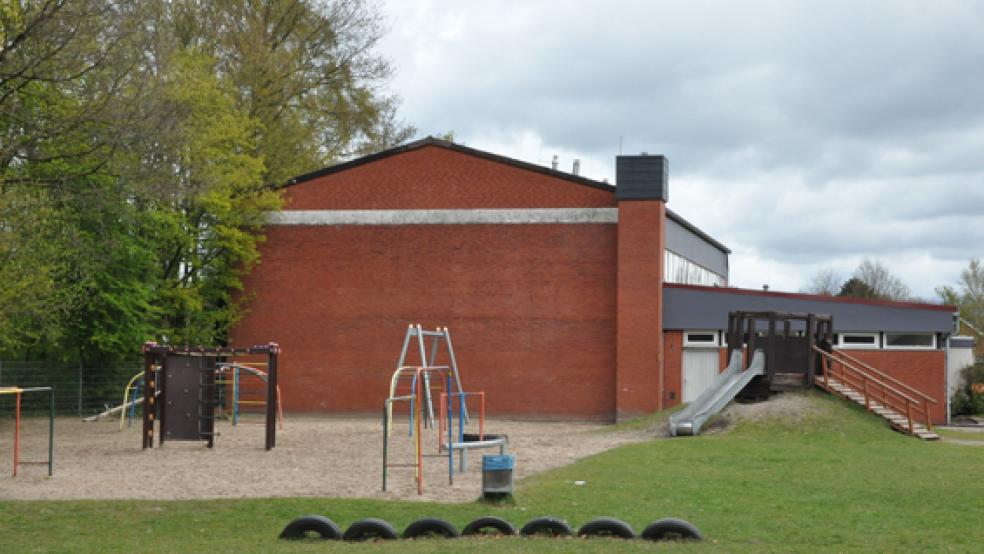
(642, 178)
(961, 342)
(707, 308)
(686, 244)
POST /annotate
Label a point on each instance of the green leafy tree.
(968, 295)
(140, 143)
(306, 71)
(209, 203)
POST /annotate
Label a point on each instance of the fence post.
(80, 388)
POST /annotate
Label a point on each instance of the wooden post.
(770, 362)
(150, 397)
(811, 342)
(908, 414)
(752, 338)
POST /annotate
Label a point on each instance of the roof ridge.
(448, 145)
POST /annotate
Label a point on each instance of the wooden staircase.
(905, 408)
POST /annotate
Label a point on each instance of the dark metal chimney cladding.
(642, 177)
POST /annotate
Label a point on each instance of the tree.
(140, 143)
(879, 281)
(825, 282)
(61, 72)
(856, 288)
(968, 295)
(305, 71)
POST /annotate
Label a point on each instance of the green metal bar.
(385, 440)
(51, 435)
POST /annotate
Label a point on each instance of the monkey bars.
(17, 392)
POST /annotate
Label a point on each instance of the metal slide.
(724, 388)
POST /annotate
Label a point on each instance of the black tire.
(479, 526)
(370, 529)
(427, 527)
(671, 529)
(546, 526)
(303, 527)
(606, 527)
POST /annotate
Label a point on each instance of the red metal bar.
(17, 410)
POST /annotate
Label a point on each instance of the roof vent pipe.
(555, 162)
(576, 170)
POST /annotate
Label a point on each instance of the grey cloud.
(863, 120)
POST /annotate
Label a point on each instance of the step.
(893, 417)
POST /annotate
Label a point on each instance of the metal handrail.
(909, 402)
(889, 377)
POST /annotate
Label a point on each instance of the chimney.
(555, 162)
(640, 192)
(576, 170)
(642, 177)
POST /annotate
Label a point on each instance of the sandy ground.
(327, 457)
(315, 456)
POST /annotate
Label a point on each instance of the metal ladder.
(437, 336)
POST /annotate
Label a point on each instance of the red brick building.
(552, 285)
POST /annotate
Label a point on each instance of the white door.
(700, 367)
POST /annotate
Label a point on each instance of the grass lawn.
(960, 434)
(838, 480)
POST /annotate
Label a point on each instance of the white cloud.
(803, 135)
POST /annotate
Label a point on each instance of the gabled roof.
(432, 141)
(440, 143)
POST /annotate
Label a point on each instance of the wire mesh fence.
(80, 390)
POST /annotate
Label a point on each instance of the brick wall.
(921, 370)
(531, 308)
(438, 178)
(639, 372)
(672, 368)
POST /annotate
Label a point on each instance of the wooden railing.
(875, 386)
(886, 377)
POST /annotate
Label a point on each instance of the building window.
(680, 270)
(857, 340)
(910, 340)
(701, 338)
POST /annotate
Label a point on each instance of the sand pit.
(326, 457)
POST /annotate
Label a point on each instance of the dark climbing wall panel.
(182, 409)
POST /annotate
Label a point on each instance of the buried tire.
(304, 526)
(480, 525)
(547, 526)
(606, 527)
(671, 529)
(430, 527)
(370, 529)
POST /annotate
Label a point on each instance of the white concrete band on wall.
(443, 217)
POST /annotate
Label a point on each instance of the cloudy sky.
(803, 135)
